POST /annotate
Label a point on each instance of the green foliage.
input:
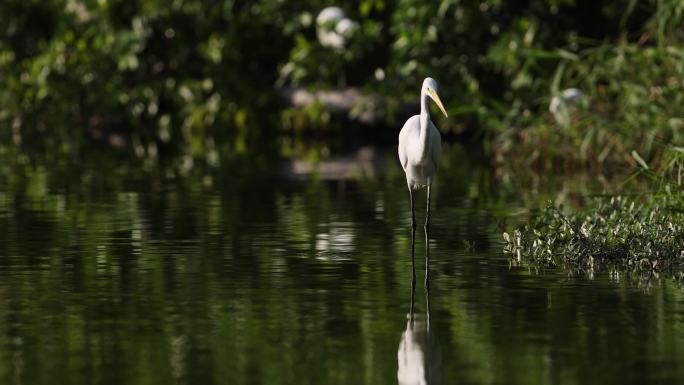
(156, 72)
(632, 97)
(631, 234)
(641, 233)
(633, 94)
(180, 77)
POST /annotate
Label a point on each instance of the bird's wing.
(402, 156)
(436, 144)
(404, 135)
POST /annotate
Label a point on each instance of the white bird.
(334, 28)
(565, 104)
(420, 147)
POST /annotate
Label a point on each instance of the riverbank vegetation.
(640, 233)
(197, 79)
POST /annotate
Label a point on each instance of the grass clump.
(640, 233)
(636, 234)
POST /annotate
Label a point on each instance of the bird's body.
(419, 164)
(420, 147)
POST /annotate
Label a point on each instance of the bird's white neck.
(423, 143)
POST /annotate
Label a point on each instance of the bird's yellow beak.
(438, 101)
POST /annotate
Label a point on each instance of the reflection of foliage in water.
(218, 276)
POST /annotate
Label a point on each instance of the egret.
(420, 147)
(565, 104)
(334, 28)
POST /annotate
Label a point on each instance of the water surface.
(294, 278)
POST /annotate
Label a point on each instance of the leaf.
(567, 55)
(555, 83)
(639, 159)
(628, 11)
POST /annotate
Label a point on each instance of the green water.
(224, 277)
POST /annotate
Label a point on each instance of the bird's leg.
(427, 216)
(413, 242)
(413, 214)
(427, 242)
(413, 290)
(427, 302)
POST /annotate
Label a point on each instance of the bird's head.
(430, 89)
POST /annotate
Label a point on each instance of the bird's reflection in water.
(419, 357)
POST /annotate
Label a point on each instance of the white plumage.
(420, 144)
(418, 158)
(334, 28)
(420, 147)
(564, 105)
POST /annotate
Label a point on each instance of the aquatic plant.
(642, 234)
